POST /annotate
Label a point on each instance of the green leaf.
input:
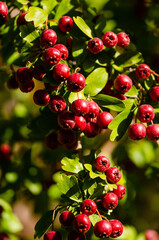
(94, 174)
(69, 186)
(94, 218)
(37, 15)
(128, 59)
(28, 33)
(83, 26)
(71, 165)
(78, 48)
(132, 92)
(10, 223)
(23, 2)
(109, 102)
(48, 5)
(64, 7)
(96, 81)
(34, 187)
(74, 96)
(5, 205)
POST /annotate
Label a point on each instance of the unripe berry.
(41, 97)
(57, 103)
(88, 207)
(80, 124)
(102, 163)
(48, 38)
(52, 236)
(82, 223)
(76, 82)
(91, 130)
(136, 131)
(79, 107)
(38, 72)
(117, 228)
(102, 229)
(73, 235)
(123, 39)
(51, 56)
(152, 132)
(120, 191)
(123, 83)
(145, 113)
(109, 39)
(63, 50)
(24, 75)
(66, 120)
(143, 71)
(110, 201)
(26, 87)
(113, 175)
(95, 45)
(51, 141)
(66, 136)
(103, 119)
(65, 24)
(12, 83)
(66, 218)
(154, 93)
(61, 72)
(151, 235)
(3, 11)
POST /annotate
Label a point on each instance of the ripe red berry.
(136, 131)
(152, 132)
(88, 207)
(151, 235)
(82, 223)
(123, 39)
(4, 236)
(65, 24)
(123, 83)
(61, 72)
(102, 229)
(63, 50)
(103, 119)
(102, 163)
(50, 88)
(117, 228)
(57, 103)
(145, 113)
(107, 89)
(51, 56)
(80, 124)
(113, 175)
(143, 71)
(24, 75)
(3, 11)
(95, 45)
(154, 93)
(21, 20)
(48, 38)
(91, 130)
(73, 235)
(26, 87)
(93, 111)
(66, 120)
(51, 141)
(109, 39)
(38, 72)
(69, 43)
(79, 107)
(120, 96)
(71, 146)
(66, 136)
(110, 201)
(41, 97)
(76, 82)
(5, 152)
(120, 191)
(12, 83)
(66, 218)
(53, 235)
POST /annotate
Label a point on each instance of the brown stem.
(154, 73)
(46, 23)
(105, 218)
(28, 62)
(53, 216)
(77, 69)
(99, 214)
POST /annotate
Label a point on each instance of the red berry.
(4, 236)
(51, 56)
(120, 96)
(48, 38)
(21, 20)
(117, 228)
(65, 24)
(152, 132)
(80, 107)
(38, 72)
(67, 218)
(12, 83)
(63, 50)
(66, 120)
(102, 229)
(41, 97)
(123, 83)
(95, 45)
(69, 42)
(110, 201)
(73, 235)
(26, 87)
(151, 235)
(154, 93)
(88, 207)
(136, 131)
(1, 210)
(102, 163)
(24, 75)
(82, 223)
(51, 141)
(3, 10)
(123, 39)
(71, 146)
(5, 152)
(76, 82)
(52, 236)
(80, 124)
(120, 191)
(61, 72)
(91, 130)
(66, 136)
(113, 175)
(57, 103)
(50, 88)
(93, 111)
(103, 119)
(143, 71)
(145, 113)
(109, 39)
(107, 89)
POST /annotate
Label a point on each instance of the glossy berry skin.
(91, 130)
(51, 141)
(12, 83)
(103, 119)
(24, 75)
(80, 124)
(120, 96)
(39, 72)
(117, 228)
(88, 207)
(65, 24)
(120, 191)
(145, 113)
(102, 229)
(73, 235)
(51, 56)
(110, 201)
(3, 10)
(26, 87)
(95, 45)
(123, 83)
(154, 93)
(151, 234)
(109, 39)
(57, 104)
(102, 163)
(66, 120)
(143, 71)
(48, 38)
(66, 136)
(63, 50)
(93, 111)
(66, 218)
(82, 223)
(113, 175)
(60, 72)
(49, 87)
(76, 82)
(41, 97)
(123, 39)
(21, 20)
(136, 131)
(53, 235)
(80, 107)
(152, 132)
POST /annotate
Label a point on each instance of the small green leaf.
(78, 48)
(132, 92)
(83, 26)
(37, 15)
(71, 165)
(96, 81)
(94, 218)
(128, 59)
(10, 223)
(48, 5)
(64, 7)
(74, 96)
(28, 33)
(93, 174)
(23, 2)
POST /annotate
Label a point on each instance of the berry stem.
(53, 216)
(105, 218)
(29, 63)
(46, 23)
(99, 214)
(154, 73)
